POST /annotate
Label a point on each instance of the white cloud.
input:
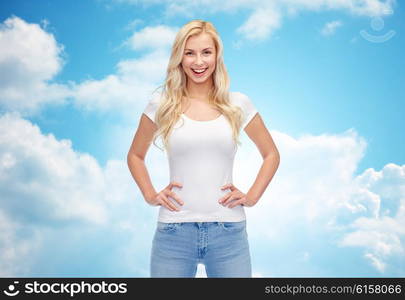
(313, 210)
(36, 58)
(201, 273)
(15, 245)
(50, 174)
(133, 24)
(266, 16)
(159, 36)
(29, 58)
(54, 199)
(379, 265)
(362, 7)
(127, 90)
(261, 23)
(314, 204)
(257, 275)
(330, 28)
(382, 236)
(135, 79)
(48, 189)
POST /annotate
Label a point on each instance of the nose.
(199, 60)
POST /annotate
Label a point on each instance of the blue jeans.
(223, 248)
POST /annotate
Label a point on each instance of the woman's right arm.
(136, 158)
(136, 163)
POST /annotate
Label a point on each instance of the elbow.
(131, 156)
(274, 156)
(277, 156)
(276, 153)
(128, 160)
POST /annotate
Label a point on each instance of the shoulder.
(236, 97)
(241, 100)
(155, 98)
(152, 105)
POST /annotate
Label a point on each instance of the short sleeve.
(152, 106)
(248, 108)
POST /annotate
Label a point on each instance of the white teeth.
(199, 71)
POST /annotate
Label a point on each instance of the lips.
(198, 74)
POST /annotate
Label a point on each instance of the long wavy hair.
(174, 88)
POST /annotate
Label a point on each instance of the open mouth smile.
(199, 72)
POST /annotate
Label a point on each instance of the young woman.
(201, 216)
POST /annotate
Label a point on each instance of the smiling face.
(199, 58)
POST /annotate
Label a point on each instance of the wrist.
(150, 198)
(251, 200)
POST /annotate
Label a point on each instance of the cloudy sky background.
(326, 76)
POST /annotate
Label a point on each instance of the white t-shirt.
(201, 159)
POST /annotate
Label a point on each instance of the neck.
(199, 91)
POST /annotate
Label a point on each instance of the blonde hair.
(175, 85)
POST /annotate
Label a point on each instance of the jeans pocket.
(233, 226)
(167, 227)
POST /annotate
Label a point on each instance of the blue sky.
(75, 78)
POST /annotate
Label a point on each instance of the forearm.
(265, 175)
(140, 174)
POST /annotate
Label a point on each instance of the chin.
(200, 80)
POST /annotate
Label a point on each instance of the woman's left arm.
(258, 133)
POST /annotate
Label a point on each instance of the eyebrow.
(203, 49)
